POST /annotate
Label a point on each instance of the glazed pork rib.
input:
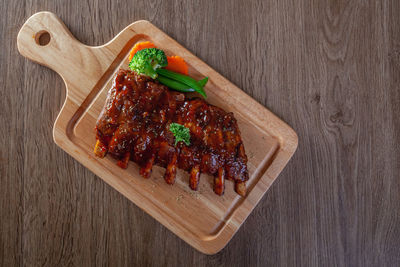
(134, 125)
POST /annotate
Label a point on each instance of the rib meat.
(134, 125)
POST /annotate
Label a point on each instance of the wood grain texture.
(203, 219)
(331, 69)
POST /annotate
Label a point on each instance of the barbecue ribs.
(134, 125)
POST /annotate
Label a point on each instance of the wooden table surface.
(331, 69)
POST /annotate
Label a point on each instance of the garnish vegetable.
(192, 83)
(177, 64)
(202, 82)
(147, 61)
(178, 86)
(140, 46)
(180, 132)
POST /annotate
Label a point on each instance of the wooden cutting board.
(201, 218)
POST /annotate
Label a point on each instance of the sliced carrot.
(140, 46)
(177, 64)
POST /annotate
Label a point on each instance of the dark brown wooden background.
(331, 69)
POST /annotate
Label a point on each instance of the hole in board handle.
(42, 38)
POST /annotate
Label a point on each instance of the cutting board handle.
(46, 40)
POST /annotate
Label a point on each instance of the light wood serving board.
(201, 218)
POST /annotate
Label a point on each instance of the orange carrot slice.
(177, 64)
(140, 46)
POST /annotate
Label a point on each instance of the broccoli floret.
(147, 61)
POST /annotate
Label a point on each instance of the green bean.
(174, 84)
(178, 86)
(203, 82)
(192, 83)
